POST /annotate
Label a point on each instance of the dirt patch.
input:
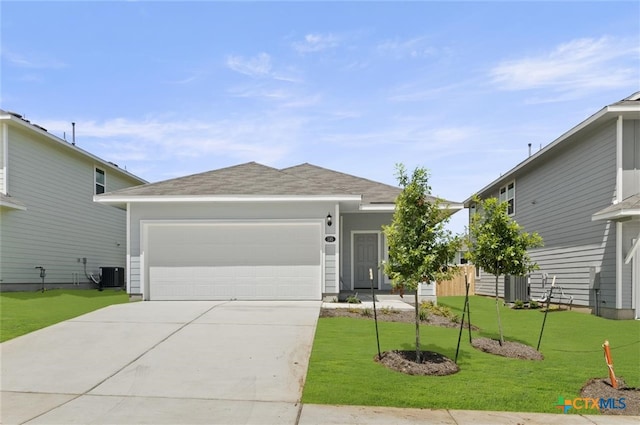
(406, 316)
(432, 364)
(507, 349)
(599, 388)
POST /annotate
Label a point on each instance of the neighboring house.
(47, 214)
(581, 193)
(256, 232)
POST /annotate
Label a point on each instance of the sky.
(167, 89)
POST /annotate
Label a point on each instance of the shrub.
(423, 314)
(353, 299)
(428, 307)
(388, 310)
(366, 312)
(534, 304)
(518, 304)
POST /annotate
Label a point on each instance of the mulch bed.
(406, 316)
(432, 364)
(601, 388)
(507, 349)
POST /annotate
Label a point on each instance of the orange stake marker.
(607, 358)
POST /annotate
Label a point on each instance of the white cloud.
(412, 48)
(32, 61)
(316, 43)
(257, 66)
(263, 138)
(584, 64)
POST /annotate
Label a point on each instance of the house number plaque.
(330, 239)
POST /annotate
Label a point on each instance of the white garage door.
(244, 261)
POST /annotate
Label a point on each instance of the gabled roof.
(628, 107)
(372, 192)
(253, 181)
(244, 179)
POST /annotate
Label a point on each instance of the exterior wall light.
(329, 222)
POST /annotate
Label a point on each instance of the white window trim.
(506, 197)
(95, 180)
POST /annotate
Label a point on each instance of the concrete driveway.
(163, 363)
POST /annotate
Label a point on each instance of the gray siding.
(61, 224)
(630, 232)
(557, 198)
(631, 157)
(330, 270)
(486, 285)
(331, 283)
(3, 162)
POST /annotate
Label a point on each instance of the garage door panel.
(228, 245)
(235, 261)
(171, 283)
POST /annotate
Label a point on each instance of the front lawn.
(342, 369)
(24, 312)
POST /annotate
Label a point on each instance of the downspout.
(619, 182)
(338, 233)
(128, 249)
(5, 159)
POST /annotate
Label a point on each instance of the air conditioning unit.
(516, 288)
(112, 277)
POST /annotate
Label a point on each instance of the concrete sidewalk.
(390, 301)
(313, 414)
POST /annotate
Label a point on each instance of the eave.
(107, 199)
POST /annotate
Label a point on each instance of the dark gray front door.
(365, 257)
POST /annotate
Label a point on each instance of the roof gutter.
(119, 199)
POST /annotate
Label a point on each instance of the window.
(100, 181)
(508, 194)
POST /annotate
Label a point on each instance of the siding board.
(62, 224)
(556, 197)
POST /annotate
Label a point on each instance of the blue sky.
(168, 89)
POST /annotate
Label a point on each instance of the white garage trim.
(232, 259)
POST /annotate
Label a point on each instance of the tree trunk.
(498, 313)
(418, 351)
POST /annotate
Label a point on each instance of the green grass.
(24, 312)
(342, 370)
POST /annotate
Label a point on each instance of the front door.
(365, 257)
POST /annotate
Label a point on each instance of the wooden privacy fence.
(455, 286)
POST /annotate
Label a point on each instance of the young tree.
(420, 248)
(498, 244)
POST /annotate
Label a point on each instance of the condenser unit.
(112, 277)
(516, 288)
